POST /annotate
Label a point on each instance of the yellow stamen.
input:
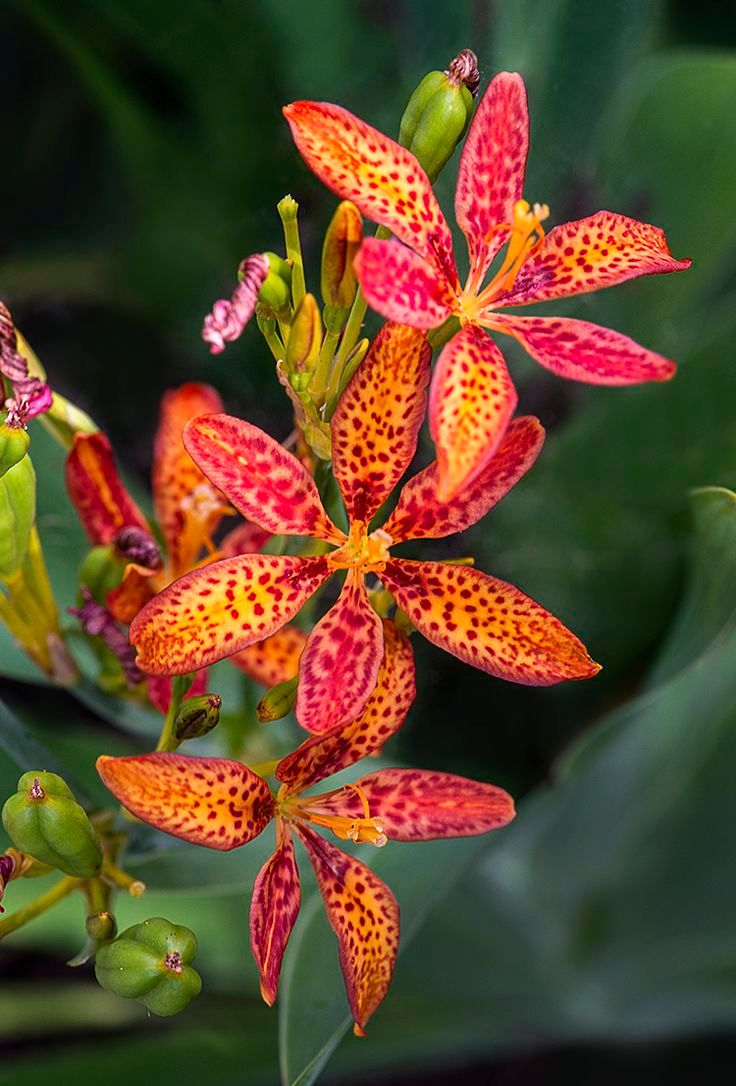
(526, 237)
(364, 830)
(369, 552)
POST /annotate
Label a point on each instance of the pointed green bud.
(17, 514)
(287, 208)
(439, 112)
(44, 819)
(197, 716)
(278, 701)
(14, 442)
(275, 292)
(342, 241)
(150, 962)
(305, 337)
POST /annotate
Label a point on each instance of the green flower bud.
(342, 241)
(275, 293)
(14, 442)
(150, 962)
(101, 927)
(278, 701)
(439, 112)
(287, 208)
(44, 819)
(101, 571)
(197, 716)
(305, 337)
(17, 514)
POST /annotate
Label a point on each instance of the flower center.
(526, 236)
(364, 830)
(368, 552)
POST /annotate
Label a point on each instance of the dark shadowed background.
(144, 154)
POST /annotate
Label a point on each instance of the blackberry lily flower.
(213, 612)
(188, 510)
(222, 804)
(413, 278)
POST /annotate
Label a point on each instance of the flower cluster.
(164, 599)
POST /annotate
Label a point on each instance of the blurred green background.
(145, 151)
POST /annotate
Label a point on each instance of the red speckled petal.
(218, 610)
(187, 506)
(260, 477)
(102, 503)
(471, 403)
(491, 174)
(419, 514)
(384, 713)
(274, 908)
(487, 623)
(207, 801)
(364, 915)
(401, 285)
(420, 805)
(591, 253)
(376, 424)
(383, 179)
(159, 689)
(339, 666)
(585, 352)
(274, 660)
(245, 538)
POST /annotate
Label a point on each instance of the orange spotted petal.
(102, 503)
(133, 592)
(274, 908)
(219, 609)
(599, 251)
(376, 424)
(471, 403)
(384, 713)
(364, 915)
(419, 514)
(260, 477)
(208, 801)
(245, 538)
(339, 666)
(383, 179)
(581, 351)
(187, 506)
(420, 805)
(492, 166)
(402, 285)
(274, 660)
(487, 623)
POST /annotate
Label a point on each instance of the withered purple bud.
(31, 396)
(139, 547)
(228, 318)
(464, 69)
(96, 621)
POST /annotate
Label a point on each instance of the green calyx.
(436, 119)
(44, 820)
(17, 514)
(150, 962)
(14, 442)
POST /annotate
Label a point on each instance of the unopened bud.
(44, 820)
(102, 927)
(275, 292)
(278, 701)
(305, 337)
(14, 444)
(287, 208)
(342, 241)
(439, 112)
(17, 514)
(197, 716)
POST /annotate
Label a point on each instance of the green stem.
(319, 383)
(294, 254)
(357, 314)
(438, 337)
(179, 686)
(39, 905)
(275, 345)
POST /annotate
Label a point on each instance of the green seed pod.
(14, 442)
(150, 962)
(439, 112)
(275, 293)
(197, 716)
(278, 701)
(17, 514)
(101, 571)
(101, 927)
(44, 819)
